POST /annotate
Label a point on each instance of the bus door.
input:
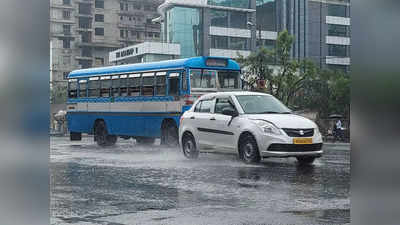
(173, 90)
(173, 83)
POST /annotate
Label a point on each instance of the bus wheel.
(169, 134)
(102, 137)
(145, 140)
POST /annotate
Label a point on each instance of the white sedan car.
(252, 125)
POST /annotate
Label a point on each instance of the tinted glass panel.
(337, 10)
(228, 79)
(337, 30)
(261, 104)
(206, 106)
(337, 50)
(221, 104)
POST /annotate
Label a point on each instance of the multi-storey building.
(83, 32)
(227, 27)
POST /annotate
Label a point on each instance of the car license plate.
(302, 141)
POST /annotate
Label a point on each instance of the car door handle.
(212, 118)
(192, 118)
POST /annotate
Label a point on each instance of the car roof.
(235, 93)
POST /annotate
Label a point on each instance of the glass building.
(231, 27)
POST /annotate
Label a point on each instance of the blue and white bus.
(143, 101)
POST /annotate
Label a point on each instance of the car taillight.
(181, 119)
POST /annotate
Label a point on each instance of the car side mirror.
(230, 112)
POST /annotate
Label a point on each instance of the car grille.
(298, 132)
(294, 148)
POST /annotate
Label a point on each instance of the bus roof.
(195, 62)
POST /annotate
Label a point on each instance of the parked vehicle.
(250, 124)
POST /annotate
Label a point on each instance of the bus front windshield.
(212, 79)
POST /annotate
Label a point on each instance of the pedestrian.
(337, 128)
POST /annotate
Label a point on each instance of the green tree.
(288, 78)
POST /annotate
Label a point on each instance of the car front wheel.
(249, 150)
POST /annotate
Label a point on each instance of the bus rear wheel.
(169, 134)
(102, 137)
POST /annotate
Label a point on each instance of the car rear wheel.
(102, 137)
(189, 146)
(305, 160)
(249, 150)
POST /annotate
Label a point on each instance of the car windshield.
(262, 104)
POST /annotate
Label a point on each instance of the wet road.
(133, 184)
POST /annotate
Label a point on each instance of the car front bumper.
(283, 146)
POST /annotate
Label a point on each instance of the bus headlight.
(268, 128)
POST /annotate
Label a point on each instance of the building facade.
(227, 27)
(83, 32)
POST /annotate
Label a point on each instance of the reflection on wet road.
(133, 184)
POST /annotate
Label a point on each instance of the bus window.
(228, 79)
(115, 86)
(161, 82)
(105, 86)
(73, 88)
(94, 87)
(82, 88)
(203, 79)
(195, 78)
(123, 85)
(173, 81)
(148, 84)
(134, 85)
(208, 79)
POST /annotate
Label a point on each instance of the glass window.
(337, 30)
(115, 86)
(261, 104)
(219, 18)
(82, 89)
(230, 3)
(173, 82)
(105, 87)
(161, 83)
(99, 4)
(337, 50)
(266, 15)
(123, 85)
(134, 85)
(148, 84)
(99, 18)
(203, 79)
(220, 42)
(237, 43)
(228, 79)
(66, 2)
(337, 10)
(206, 106)
(73, 88)
(221, 104)
(238, 20)
(66, 43)
(99, 31)
(94, 88)
(185, 27)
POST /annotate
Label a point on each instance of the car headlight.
(268, 128)
(317, 130)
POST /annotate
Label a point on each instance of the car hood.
(284, 120)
